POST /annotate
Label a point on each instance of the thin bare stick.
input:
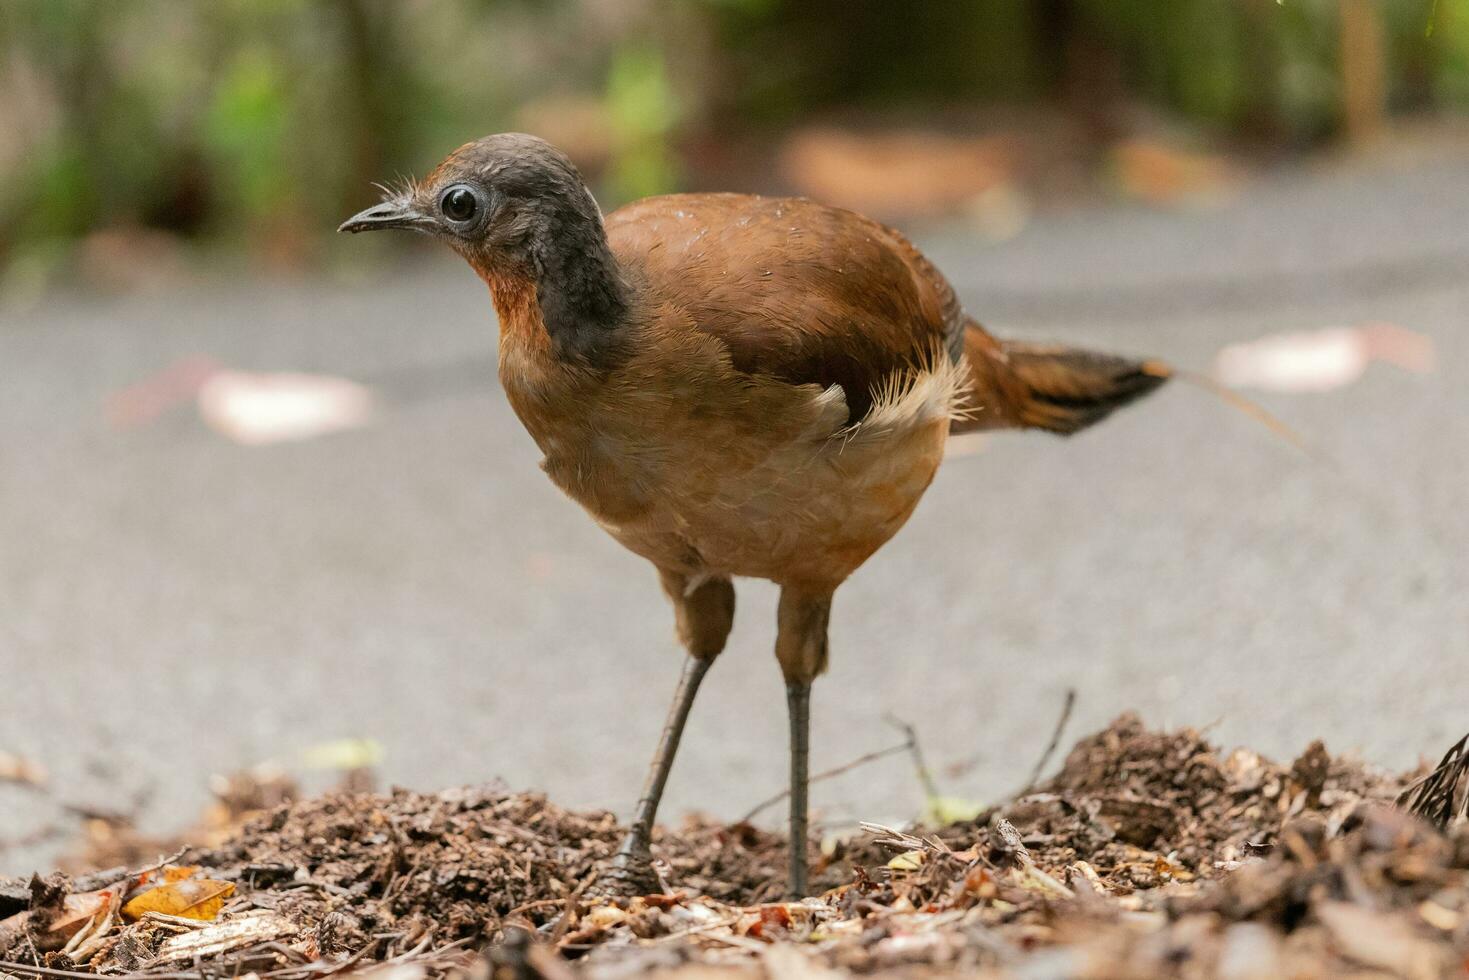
(103, 879)
(861, 760)
(892, 837)
(925, 775)
(1045, 759)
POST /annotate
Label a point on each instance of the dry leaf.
(132, 258)
(162, 876)
(771, 921)
(259, 409)
(1320, 360)
(343, 754)
(89, 940)
(1438, 916)
(903, 173)
(908, 861)
(1163, 174)
(192, 898)
(944, 810)
(17, 769)
(1001, 212)
(78, 912)
(580, 125)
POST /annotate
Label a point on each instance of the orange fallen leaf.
(191, 898)
(162, 876)
(773, 921)
(981, 884)
(900, 173)
(1160, 173)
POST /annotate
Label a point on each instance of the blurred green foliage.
(264, 121)
(642, 112)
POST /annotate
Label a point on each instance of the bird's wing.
(794, 290)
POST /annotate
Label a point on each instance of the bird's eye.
(459, 204)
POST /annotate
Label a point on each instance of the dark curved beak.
(389, 214)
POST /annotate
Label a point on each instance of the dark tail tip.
(1067, 390)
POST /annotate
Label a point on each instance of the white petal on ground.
(1408, 349)
(259, 409)
(1320, 360)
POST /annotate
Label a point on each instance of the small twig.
(568, 915)
(1045, 759)
(537, 904)
(285, 952)
(861, 760)
(925, 775)
(898, 838)
(691, 931)
(739, 942)
(178, 923)
(323, 968)
(104, 879)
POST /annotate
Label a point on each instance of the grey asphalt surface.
(174, 605)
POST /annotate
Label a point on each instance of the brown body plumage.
(736, 386)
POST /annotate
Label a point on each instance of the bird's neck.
(567, 295)
(582, 296)
(550, 387)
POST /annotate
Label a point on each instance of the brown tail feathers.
(1060, 389)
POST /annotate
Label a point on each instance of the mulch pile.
(1150, 854)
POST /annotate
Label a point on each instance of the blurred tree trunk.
(81, 74)
(1080, 70)
(370, 63)
(1363, 70)
(1420, 61)
(1260, 116)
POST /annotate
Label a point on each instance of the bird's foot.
(630, 873)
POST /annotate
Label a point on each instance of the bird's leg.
(634, 849)
(703, 612)
(798, 705)
(800, 646)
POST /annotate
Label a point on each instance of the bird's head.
(509, 203)
(515, 207)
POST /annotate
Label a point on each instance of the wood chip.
(222, 937)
